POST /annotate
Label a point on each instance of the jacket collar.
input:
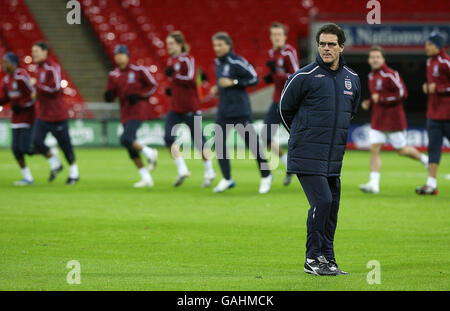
(324, 66)
(383, 67)
(223, 58)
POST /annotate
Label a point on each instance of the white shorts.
(396, 139)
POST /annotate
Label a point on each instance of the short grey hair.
(223, 36)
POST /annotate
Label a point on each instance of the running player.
(52, 113)
(388, 117)
(17, 90)
(133, 85)
(184, 106)
(282, 63)
(438, 111)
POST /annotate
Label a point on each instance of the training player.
(234, 74)
(184, 105)
(17, 91)
(438, 112)
(282, 63)
(52, 113)
(133, 85)
(388, 117)
(316, 107)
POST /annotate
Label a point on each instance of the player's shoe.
(152, 160)
(369, 188)
(23, 182)
(180, 179)
(54, 173)
(224, 185)
(208, 179)
(334, 266)
(72, 181)
(319, 266)
(426, 190)
(287, 180)
(266, 183)
(144, 183)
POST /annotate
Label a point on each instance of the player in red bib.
(388, 122)
(17, 91)
(133, 85)
(52, 114)
(184, 107)
(282, 63)
(438, 111)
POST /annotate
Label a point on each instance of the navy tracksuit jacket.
(316, 107)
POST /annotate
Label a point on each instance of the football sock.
(375, 178)
(73, 171)
(284, 159)
(54, 162)
(181, 166)
(424, 159)
(145, 175)
(432, 182)
(208, 166)
(148, 152)
(26, 173)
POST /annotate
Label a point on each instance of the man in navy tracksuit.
(234, 74)
(316, 106)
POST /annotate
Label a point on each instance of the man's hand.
(431, 88)
(168, 91)
(268, 78)
(33, 81)
(214, 90)
(425, 88)
(133, 98)
(108, 96)
(375, 98)
(365, 104)
(225, 82)
(169, 71)
(16, 108)
(272, 66)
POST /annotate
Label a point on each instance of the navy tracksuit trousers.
(323, 195)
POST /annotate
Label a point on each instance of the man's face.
(121, 59)
(431, 49)
(329, 49)
(7, 66)
(278, 37)
(173, 48)
(376, 60)
(38, 54)
(220, 47)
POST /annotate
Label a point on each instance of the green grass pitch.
(192, 239)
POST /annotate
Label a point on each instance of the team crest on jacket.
(226, 70)
(280, 62)
(131, 77)
(379, 85)
(436, 71)
(348, 84)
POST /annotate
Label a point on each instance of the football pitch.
(189, 238)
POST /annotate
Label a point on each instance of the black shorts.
(173, 118)
(21, 141)
(437, 130)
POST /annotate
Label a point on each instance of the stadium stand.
(18, 32)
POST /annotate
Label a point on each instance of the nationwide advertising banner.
(94, 133)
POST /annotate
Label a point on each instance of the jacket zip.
(334, 126)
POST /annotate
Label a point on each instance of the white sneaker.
(180, 179)
(152, 160)
(23, 182)
(266, 183)
(144, 183)
(369, 188)
(224, 184)
(208, 178)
